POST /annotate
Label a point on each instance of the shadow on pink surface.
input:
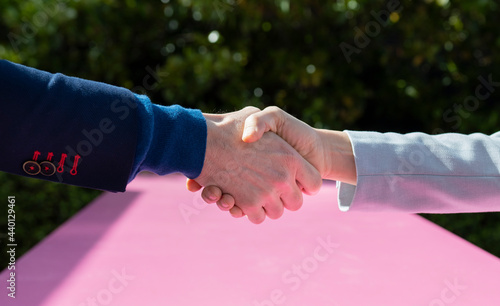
(47, 264)
(158, 244)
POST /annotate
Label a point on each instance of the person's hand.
(263, 177)
(329, 151)
(302, 137)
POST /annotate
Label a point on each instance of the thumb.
(252, 132)
(259, 123)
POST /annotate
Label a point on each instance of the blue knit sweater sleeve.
(90, 134)
(171, 139)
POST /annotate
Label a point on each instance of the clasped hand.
(248, 171)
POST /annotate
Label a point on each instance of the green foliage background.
(413, 74)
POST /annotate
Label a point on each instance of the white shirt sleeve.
(420, 173)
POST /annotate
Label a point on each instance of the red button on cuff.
(47, 168)
(31, 167)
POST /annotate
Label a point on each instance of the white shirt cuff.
(345, 195)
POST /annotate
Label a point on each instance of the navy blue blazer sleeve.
(79, 132)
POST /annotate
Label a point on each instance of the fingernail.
(225, 205)
(212, 198)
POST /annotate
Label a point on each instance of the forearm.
(93, 134)
(86, 130)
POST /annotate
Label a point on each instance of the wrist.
(338, 156)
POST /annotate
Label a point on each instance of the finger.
(211, 194)
(236, 212)
(275, 209)
(293, 199)
(226, 202)
(192, 185)
(308, 178)
(270, 119)
(256, 215)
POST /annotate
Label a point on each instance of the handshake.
(257, 163)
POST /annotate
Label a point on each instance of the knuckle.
(281, 178)
(273, 109)
(275, 112)
(251, 109)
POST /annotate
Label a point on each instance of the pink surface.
(158, 244)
